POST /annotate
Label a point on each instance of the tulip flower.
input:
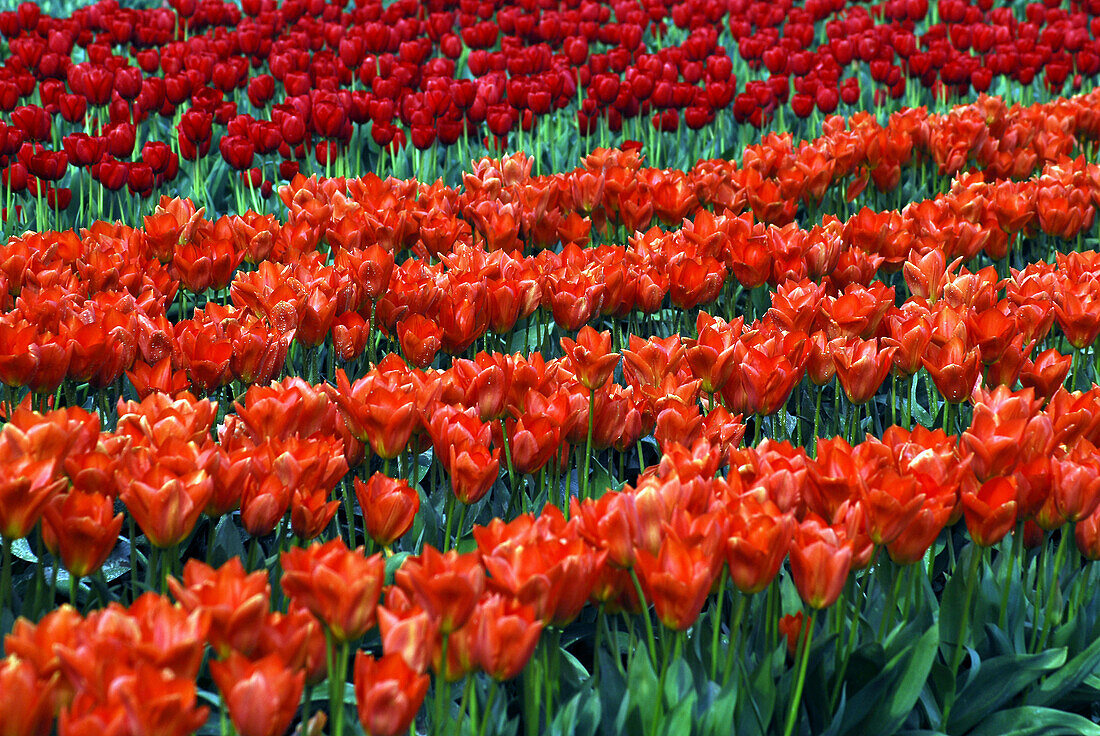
(27, 703)
(339, 586)
(261, 696)
(991, 510)
(388, 507)
(820, 559)
(235, 602)
(388, 693)
(447, 586)
(506, 635)
(678, 579)
(82, 529)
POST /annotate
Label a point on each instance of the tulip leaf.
(21, 548)
(580, 716)
(227, 541)
(882, 705)
(1051, 690)
(393, 564)
(1032, 720)
(678, 721)
(716, 717)
(952, 603)
(999, 680)
(636, 712)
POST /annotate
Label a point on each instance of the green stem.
(645, 617)
(976, 554)
(735, 630)
(588, 447)
(716, 620)
(440, 687)
(803, 662)
(338, 656)
(1055, 586)
(6, 597)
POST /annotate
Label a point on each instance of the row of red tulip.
(525, 62)
(682, 527)
(92, 308)
(773, 179)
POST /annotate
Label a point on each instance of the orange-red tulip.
(261, 696)
(388, 693)
(389, 507)
(339, 586)
(821, 557)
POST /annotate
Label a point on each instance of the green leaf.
(678, 721)
(882, 705)
(716, 719)
(580, 716)
(999, 680)
(393, 563)
(1051, 690)
(21, 548)
(903, 696)
(227, 541)
(636, 712)
(1034, 721)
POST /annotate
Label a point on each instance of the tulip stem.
(440, 686)
(484, 725)
(735, 630)
(976, 554)
(588, 448)
(338, 665)
(716, 620)
(6, 597)
(1010, 564)
(645, 617)
(1055, 587)
(803, 661)
(450, 518)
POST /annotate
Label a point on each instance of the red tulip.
(821, 557)
(388, 693)
(261, 696)
(340, 586)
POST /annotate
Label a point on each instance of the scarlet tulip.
(261, 696)
(388, 507)
(235, 602)
(506, 635)
(821, 557)
(679, 578)
(339, 586)
(447, 586)
(82, 529)
(388, 693)
(757, 541)
(991, 510)
(27, 703)
(861, 366)
(590, 357)
(954, 368)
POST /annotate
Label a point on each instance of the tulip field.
(518, 367)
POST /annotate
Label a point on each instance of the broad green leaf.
(1065, 679)
(885, 701)
(1000, 679)
(1034, 721)
(640, 700)
(580, 716)
(21, 548)
(903, 696)
(677, 722)
(716, 719)
(393, 563)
